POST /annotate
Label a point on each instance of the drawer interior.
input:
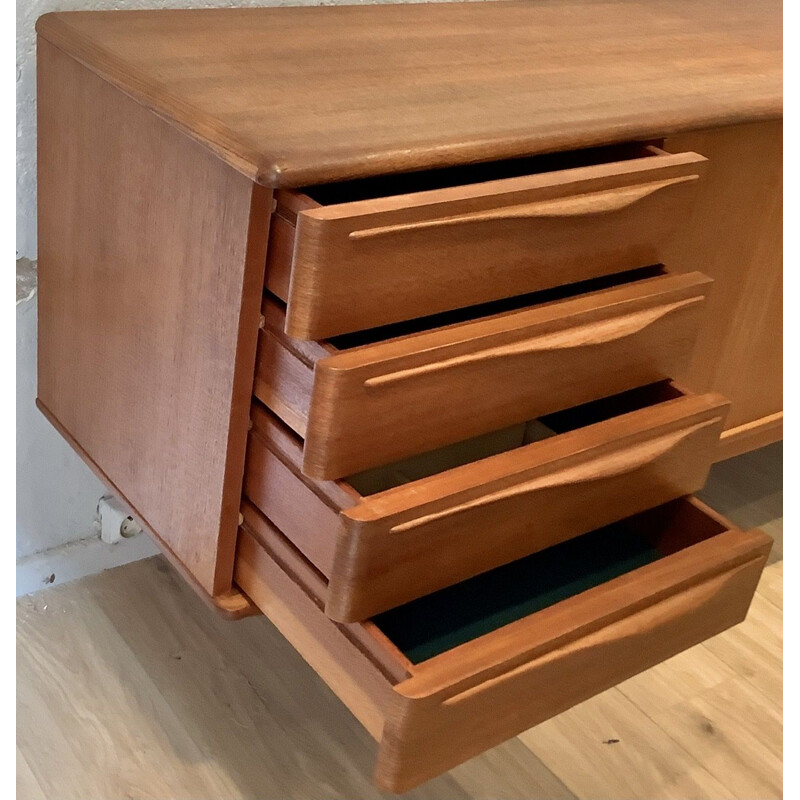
(495, 308)
(274, 310)
(390, 476)
(448, 177)
(438, 622)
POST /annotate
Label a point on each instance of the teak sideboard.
(415, 328)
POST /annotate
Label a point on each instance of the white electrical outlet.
(115, 521)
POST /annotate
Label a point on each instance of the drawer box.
(393, 534)
(346, 257)
(368, 399)
(443, 679)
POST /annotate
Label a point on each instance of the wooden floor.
(128, 687)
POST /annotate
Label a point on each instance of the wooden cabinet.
(424, 369)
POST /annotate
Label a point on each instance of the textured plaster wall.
(56, 492)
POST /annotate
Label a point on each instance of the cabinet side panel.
(151, 258)
(735, 236)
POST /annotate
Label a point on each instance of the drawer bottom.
(454, 673)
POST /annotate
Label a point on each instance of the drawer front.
(386, 549)
(368, 263)
(448, 715)
(379, 403)
(410, 541)
(430, 716)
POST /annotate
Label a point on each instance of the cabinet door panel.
(734, 235)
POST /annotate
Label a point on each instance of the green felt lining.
(441, 621)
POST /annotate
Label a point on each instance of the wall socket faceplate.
(115, 521)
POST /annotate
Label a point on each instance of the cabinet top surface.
(292, 96)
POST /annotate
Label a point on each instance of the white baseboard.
(75, 560)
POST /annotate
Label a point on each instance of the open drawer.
(366, 399)
(396, 533)
(448, 676)
(361, 254)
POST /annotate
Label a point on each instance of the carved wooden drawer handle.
(648, 621)
(587, 335)
(608, 466)
(581, 205)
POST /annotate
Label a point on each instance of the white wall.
(56, 493)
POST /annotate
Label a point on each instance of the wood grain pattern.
(609, 747)
(536, 360)
(441, 249)
(742, 728)
(426, 723)
(474, 696)
(384, 550)
(204, 668)
(294, 96)
(581, 205)
(506, 508)
(735, 232)
(111, 765)
(749, 489)
(284, 380)
(151, 258)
